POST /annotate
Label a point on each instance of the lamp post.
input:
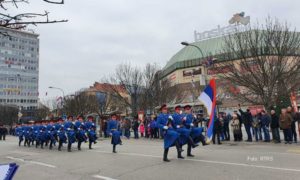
(63, 92)
(188, 44)
(199, 49)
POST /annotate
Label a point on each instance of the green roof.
(190, 56)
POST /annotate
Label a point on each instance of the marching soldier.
(42, 134)
(70, 130)
(185, 134)
(51, 134)
(80, 132)
(19, 133)
(61, 134)
(196, 133)
(112, 129)
(171, 137)
(91, 131)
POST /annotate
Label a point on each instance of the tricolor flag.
(7, 171)
(208, 98)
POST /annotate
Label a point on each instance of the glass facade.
(19, 68)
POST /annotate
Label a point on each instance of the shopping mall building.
(190, 70)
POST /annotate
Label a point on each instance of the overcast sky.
(101, 34)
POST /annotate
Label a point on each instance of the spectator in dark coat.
(265, 123)
(247, 120)
(217, 130)
(226, 119)
(275, 127)
(135, 128)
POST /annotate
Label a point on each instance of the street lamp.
(188, 44)
(63, 92)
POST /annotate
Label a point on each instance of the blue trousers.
(248, 130)
(287, 135)
(266, 133)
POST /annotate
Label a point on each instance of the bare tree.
(22, 20)
(42, 112)
(8, 114)
(263, 61)
(126, 85)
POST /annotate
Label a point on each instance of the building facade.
(19, 68)
(191, 68)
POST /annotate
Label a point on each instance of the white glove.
(110, 134)
(191, 124)
(58, 131)
(184, 118)
(41, 131)
(178, 126)
(69, 129)
(165, 127)
(170, 117)
(48, 131)
(93, 124)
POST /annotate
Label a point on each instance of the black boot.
(69, 147)
(114, 149)
(189, 151)
(90, 145)
(191, 141)
(28, 143)
(50, 147)
(179, 156)
(25, 142)
(42, 145)
(178, 147)
(166, 155)
(79, 146)
(20, 142)
(36, 144)
(59, 145)
(202, 139)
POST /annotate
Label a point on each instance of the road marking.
(31, 162)
(103, 177)
(294, 151)
(207, 161)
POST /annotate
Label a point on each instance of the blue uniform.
(91, 131)
(112, 127)
(35, 129)
(19, 133)
(170, 135)
(196, 133)
(180, 128)
(69, 127)
(51, 134)
(61, 134)
(80, 131)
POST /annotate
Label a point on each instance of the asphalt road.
(142, 159)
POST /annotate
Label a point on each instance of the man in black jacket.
(247, 120)
(275, 127)
(135, 127)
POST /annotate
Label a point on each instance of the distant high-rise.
(19, 68)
